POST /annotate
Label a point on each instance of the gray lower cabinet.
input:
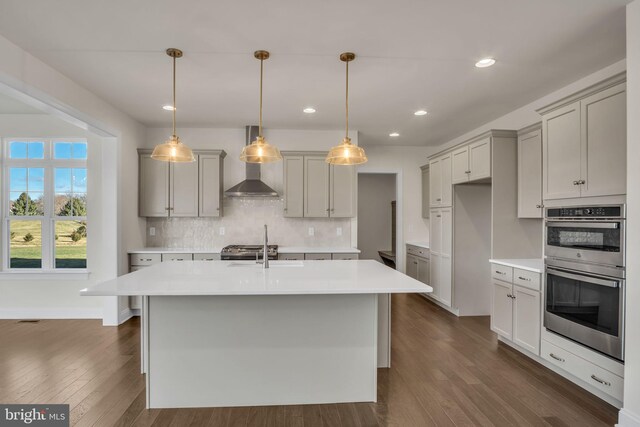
(206, 257)
(344, 256)
(317, 257)
(291, 257)
(181, 189)
(418, 264)
(315, 189)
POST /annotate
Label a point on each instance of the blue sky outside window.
(26, 150)
(70, 150)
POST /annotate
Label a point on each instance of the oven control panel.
(586, 212)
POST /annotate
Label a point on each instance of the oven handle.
(589, 279)
(606, 225)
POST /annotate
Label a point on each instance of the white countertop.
(317, 250)
(424, 245)
(175, 251)
(248, 278)
(531, 264)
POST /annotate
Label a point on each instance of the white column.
(630, 413)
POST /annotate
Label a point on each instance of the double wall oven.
(585, 276)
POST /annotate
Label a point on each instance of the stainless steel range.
(585, 276)
(248, 252)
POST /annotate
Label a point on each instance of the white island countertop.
(248, 278)
(531, 264)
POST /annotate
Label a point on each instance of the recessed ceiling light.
(485, 62)
(394, 134)
(167, 107)
(309, 110)
(420, 113)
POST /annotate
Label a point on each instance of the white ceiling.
(411, 54)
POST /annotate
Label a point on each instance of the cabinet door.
(425, 193)
(435, 231)
(153, 187)
(293, 183)
(530, 175)
(342, 191)
(445, 285)
(435, 183)
(316, 187)
(412, 266)
(526, 319)
(423, 270)
(183, 189)
(445, 289)
(502, 309)
(561, 153)
(480, 159)
(604, 143)
(460, 165)
(445, 173)
(434, 275)
(210, 185)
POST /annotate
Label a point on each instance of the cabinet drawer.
(317, 257)
(344, 256)
(291, 257)
(418, 251)
(502, 272)
(526, 279)
(144, 259)
(177, 257)
(586, 371)
(206, 257)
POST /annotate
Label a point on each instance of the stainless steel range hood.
(252, 186)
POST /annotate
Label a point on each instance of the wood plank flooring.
(446, 371)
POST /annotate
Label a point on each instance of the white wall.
(375, 194)
(38, 84)
(406, 162)
(630, 414)
(58, 295)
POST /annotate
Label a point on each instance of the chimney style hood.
(252, 186)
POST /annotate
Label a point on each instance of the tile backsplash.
(243, 223)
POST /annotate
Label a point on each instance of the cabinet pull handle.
(285, 209)
(539, 206)
(438, 216)
(501, 272)
(508, 295)
(558, 358)
(467, 171)
(415, 262)
(438, 200)
(601, 381)
(148, 259)
(575, 182)
(582, 182)
(524, 278)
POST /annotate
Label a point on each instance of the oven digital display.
(585, 212)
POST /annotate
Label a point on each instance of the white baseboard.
(51, 313)
(451, 310)
(627, 418)
(125, 315)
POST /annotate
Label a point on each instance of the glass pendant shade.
(173, 151)
(346, 154)
(260, 151)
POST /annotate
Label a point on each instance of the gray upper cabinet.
(153, 187)
(584, 142)
(440, 185)
(210, 184)
(293, 186)
(315, 189)
(530, 172)
(180, 189)
(424, 170)
(471, 162)
(460, 165)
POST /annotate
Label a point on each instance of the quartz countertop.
(424, 245)
(175, 251)
(248, 278)
(531, 264)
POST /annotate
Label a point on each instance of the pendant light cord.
(347, 99)
(174, 96)
(261, 72)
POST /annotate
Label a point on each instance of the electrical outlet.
(312, 231)
(152, 231)
(221, 231)
(339, 231)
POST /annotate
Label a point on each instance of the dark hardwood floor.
(445, 371)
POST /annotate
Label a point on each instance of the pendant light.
(260, 151)
(173, 150)
(346, 153)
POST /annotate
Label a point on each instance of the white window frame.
(49, 163)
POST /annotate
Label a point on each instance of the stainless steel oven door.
(586, 308)
(600, 242)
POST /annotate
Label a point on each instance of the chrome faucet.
(265, 249)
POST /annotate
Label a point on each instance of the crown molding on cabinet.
(598, 87)
(220, 153)
(493, 133)
(530, 128)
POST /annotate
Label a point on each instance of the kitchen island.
(234, 334)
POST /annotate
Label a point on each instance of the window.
(46, 204)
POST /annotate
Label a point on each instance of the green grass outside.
(69, 254)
